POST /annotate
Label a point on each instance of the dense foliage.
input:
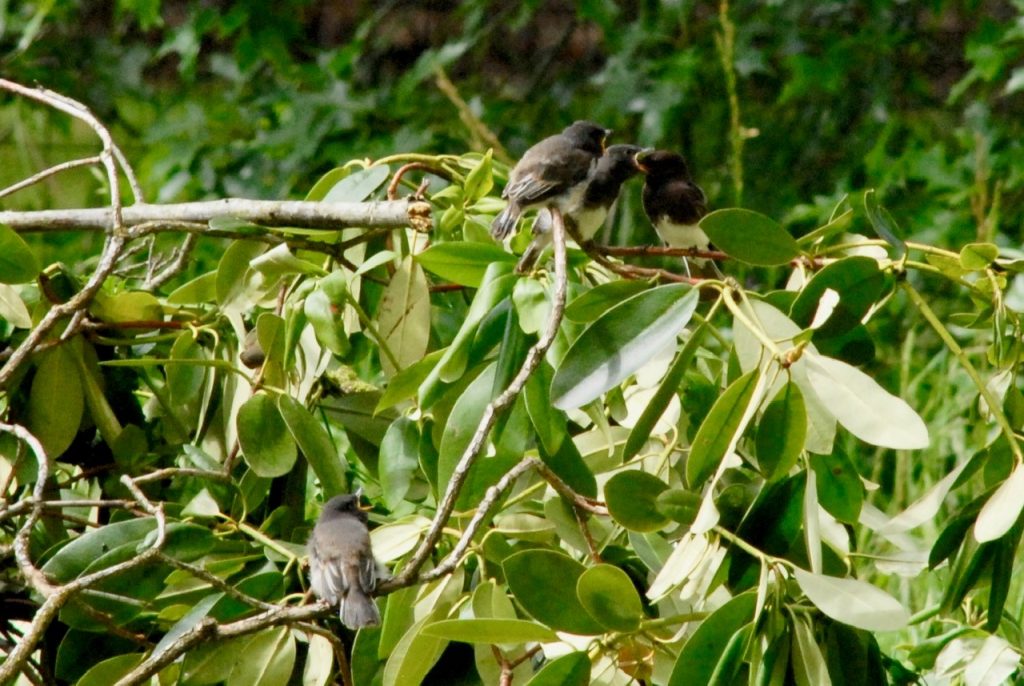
(807, 473)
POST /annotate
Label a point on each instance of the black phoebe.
(616, 166)
(342, 569)
(674, 203)
(552, 173)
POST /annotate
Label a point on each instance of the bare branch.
(490, 416)
(47, 173)
(392, 214)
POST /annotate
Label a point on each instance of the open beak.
(359, 496)
(638, 159)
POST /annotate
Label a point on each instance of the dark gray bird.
(616, 166)
(342, 569)
(552, 173)
(674, 203)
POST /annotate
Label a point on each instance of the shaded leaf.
(781, 433)
(316, 445)
(631, 497)
(717, 430)
(56, 401)
(569, 670)
(609, 596)
(702, 651)
(18, 263)
(750, 237)
(621, 341)
(267, 446)
(537, 577)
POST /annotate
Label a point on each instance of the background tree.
(817, 467)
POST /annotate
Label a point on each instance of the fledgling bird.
(552, 173)
(342, 569)
(616, 166)
(675, 203)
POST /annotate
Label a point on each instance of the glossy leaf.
(864, 408)
(12, 308)
(399, 459)
(609, 597)
(18, 263)
(403, 317)
(702, 651)
(978, 256)
(538, 578)
(781, 433)
(463, 262)
(569, 670)
(853, 602)
(750, 237)
(489, 630)
(718, 429)
(267, 446)
(632, 496)
(56, 401)
(316, 445)
(619, 342)
(859, 283)
(1002, 509)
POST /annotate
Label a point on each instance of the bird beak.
(638, 159)
(358, 497)
(604, 140)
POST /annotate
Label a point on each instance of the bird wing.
(547, 169)
(681, 201)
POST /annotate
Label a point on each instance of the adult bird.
(616, 166)
(674, 203)
(552, 173)
(342, 569)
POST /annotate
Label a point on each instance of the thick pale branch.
(281, 213)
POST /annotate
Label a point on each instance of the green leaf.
(403, 317)
(111, 670)
(399, 459)
(1002, 509)
(808, 663)
(326, 322)
(702, 651)
(234, 274)
(18, 263)
(479, 180)
(659, 402)
(609, 596)
(415, 653)
(599, 299)
(129, 306)
(316, 445)
(978, 256)
(621, 341)
(531, 302)
(569, 670)
(266, 660)
(202, 289)
(359, 185)
(631, 497)
(56, 401)
(717, 430)
(840, 490)
(750, 237)
(405, 383)
(489, 630)
(781, 433)
(882, 222)
(71, 560)
(679, 505)
(463, 262)
(267, 446)
(853, 602)
(13, 309)
(859, 283)
(864, 408)
(538, 579)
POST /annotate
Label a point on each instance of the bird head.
(620, 160)
(348, 503)
(587, 135)
(662, 163)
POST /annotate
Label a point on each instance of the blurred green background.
(922, 100)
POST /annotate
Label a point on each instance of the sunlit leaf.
(853, 602)
(750, 237)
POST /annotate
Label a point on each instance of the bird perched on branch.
(674, 203)
(342, 569)
(552, 173)
(616, 166)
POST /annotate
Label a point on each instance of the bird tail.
(359, 610)
(505, 223)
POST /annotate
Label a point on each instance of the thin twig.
(47, 173)
(491, 413)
